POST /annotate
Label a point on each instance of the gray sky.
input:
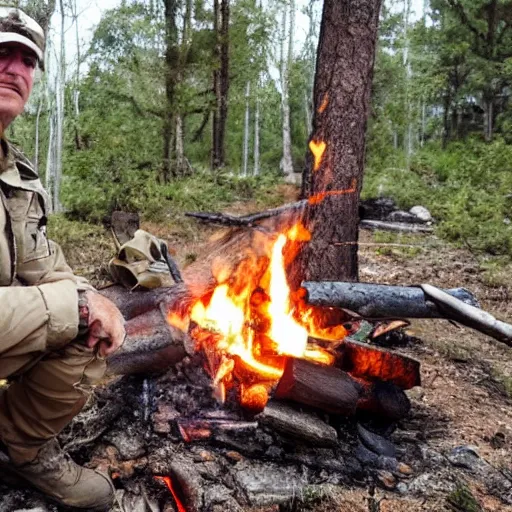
(91, 11)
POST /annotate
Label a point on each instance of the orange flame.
(250, 325)
(168, 482)
(317, 148)
(318, 198)
(324, 104)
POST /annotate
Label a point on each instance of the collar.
(9, 173)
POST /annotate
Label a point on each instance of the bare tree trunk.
(171, 65)
(76, 92)
(59, 135)
(488, 117)
(38, 119)
(245, 156)
(344, 72)
(286, 161)
(184, 49)
(220, 82)
(257, 132)
(408, 137)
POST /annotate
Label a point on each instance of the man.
(43, 305)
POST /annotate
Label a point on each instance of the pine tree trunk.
(345, 60)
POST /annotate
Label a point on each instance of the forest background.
(179, 105)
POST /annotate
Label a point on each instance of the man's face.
(17, 69)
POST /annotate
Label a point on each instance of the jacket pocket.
(36, 244)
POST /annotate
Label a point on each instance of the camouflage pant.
(47, 391)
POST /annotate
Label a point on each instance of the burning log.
(324, 387)
(206, 428)
(299, 425)
(332, 390)
(368, 362)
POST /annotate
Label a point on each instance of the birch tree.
(287, 32)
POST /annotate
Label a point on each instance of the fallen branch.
(424, 301)
(469, 315)
(225, 219)
(379, 300)
(401, 227)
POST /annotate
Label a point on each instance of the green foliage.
(466, 187)
(462, 500)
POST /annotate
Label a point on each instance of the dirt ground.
(466, 394)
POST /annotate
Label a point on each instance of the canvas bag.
(141, 262)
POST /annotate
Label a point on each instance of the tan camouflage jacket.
(38, 291)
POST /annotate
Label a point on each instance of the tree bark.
(286, 59)
(171, 65)
(245, 157)
(345, 60)
(220, 82)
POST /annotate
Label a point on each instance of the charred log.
(401, 227)
(380, 301)
(296, 424)
(151, 346)
(385, 400)
(323, 387)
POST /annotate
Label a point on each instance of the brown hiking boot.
(55, 474)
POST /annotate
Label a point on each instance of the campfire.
(259, 339)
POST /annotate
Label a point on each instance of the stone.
(404, 469)
(128, 442)
(269, 484)
(376, 443)
(422, 213)
(400, 216)
(234, 456)
(387, 479)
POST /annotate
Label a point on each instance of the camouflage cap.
(17, 27)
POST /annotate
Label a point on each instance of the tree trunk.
(171, 65)
(286, 162)
(246, 132)
(257, 131)
(59, 135)
(345, 60)
(184, 50)
(220, 81)
(40, 101)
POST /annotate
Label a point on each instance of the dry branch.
(401, 227)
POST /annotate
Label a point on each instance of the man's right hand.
(106, 324)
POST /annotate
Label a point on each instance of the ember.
(168, 482)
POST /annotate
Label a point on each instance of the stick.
(402, 227)
(469, 315)
(225, 219)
